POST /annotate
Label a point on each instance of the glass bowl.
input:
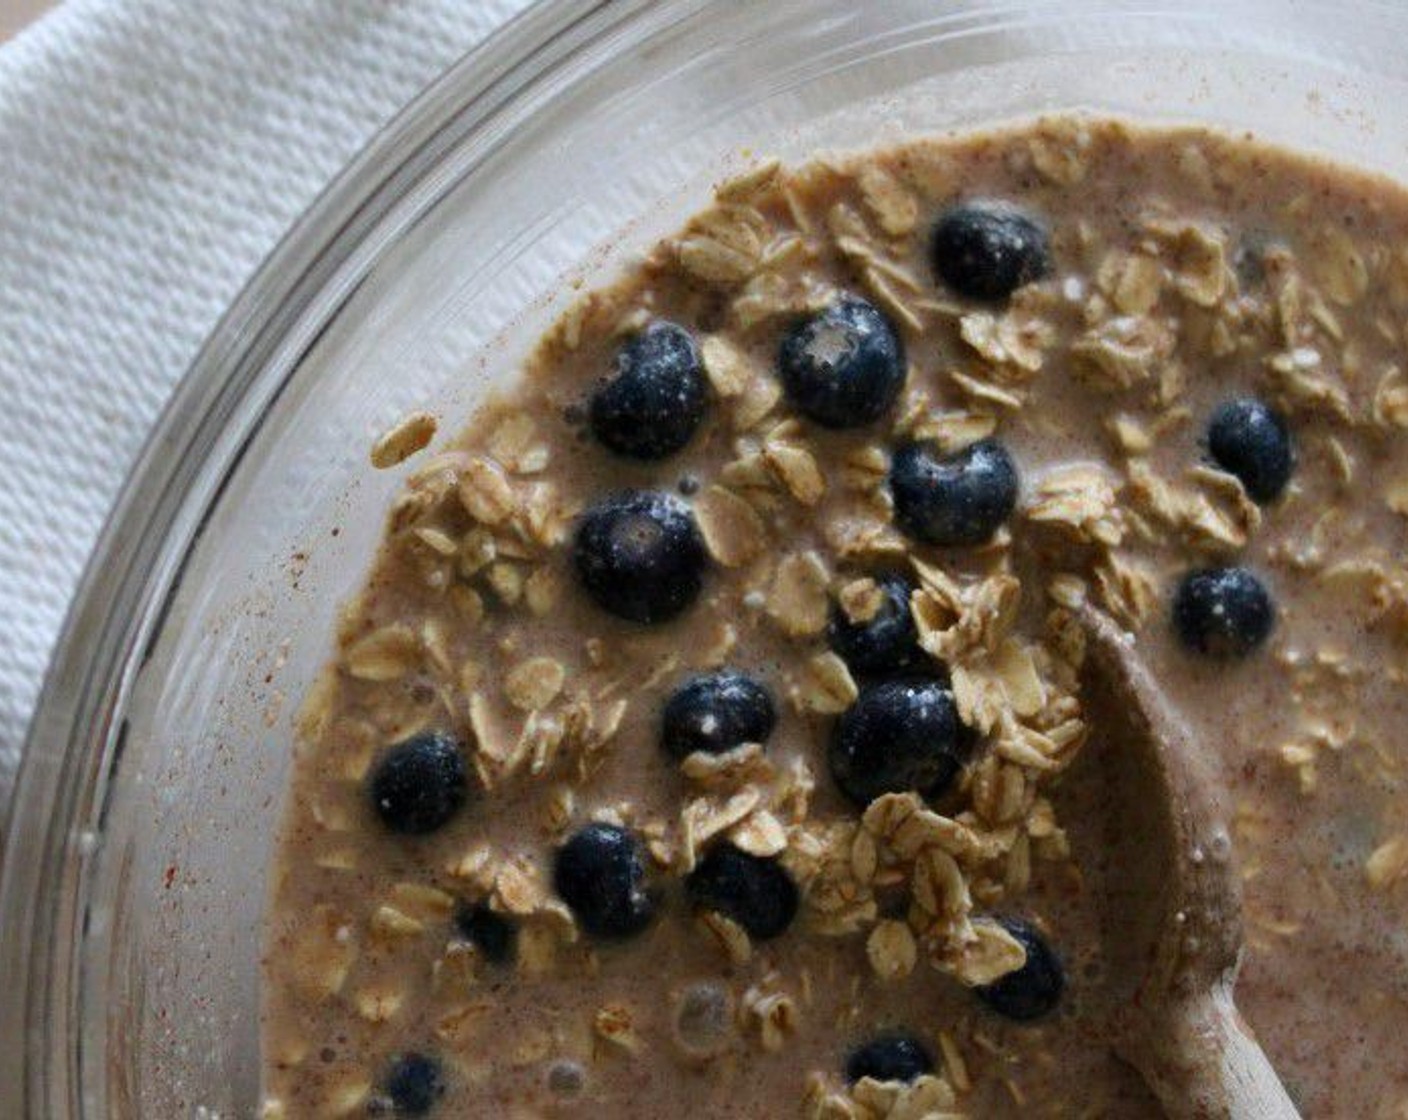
(140, 832)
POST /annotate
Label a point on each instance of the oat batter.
(708, 739)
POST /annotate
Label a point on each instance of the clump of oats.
(1130, 436)
(386, 654)
(1198, 258)
(730, 937)
(1390, 407)
(377, 1006)
(760, 834)
(732, 530)
(751, 182)
(344, 1093)
(516, 444)
(1388, 863)
(1209, 510)
(1060, 152)
(533, 684)
(728, 769)
(421, 900)
(1081, 500)
(864, 468)
(1127, 587)
(818, 858)
(486, 493)
(860, 600)
(984, 955)
(703, 818)
(614, 1024)
(925, 1098)
(954, 430)
(1340, 266)
(1133, 282)
(403, 439)
(798, 600)
(955, 619)
(1121, 353)
(892, 950)
(390, 924)
(825, 685)
(723, 246)
(772, 1013)
(896, 211)
(930, 1097)
(727, 367)
(795, 467)
(1013, 346)
(322, 952)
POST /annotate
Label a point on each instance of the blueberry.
(887, 641)
(600, 874)
(756, 893)
(703, 1019)
(1223, 612)
(640, 556)
(414, 1083)
(419, 784)
(957, 499)
(495, 935)
(654, 403)
(1035, 988)
(844, 366)
(899, 735)
(715, 713)
(889, 1057)
(987, 250)
(566, 1079)
(1250, 440)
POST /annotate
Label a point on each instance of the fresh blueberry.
(889, 1057)
(756, 893)
(419, 784)
(987, 250)
(957, 499)
(414, 1083)
(844, 366)
(493, 934)
(600, 874)
(1250, 440)
(715, 713)
(1223, 612)
(887, 641)
(1035, 988)
(654, 403)
(899, 735)
(640, 556)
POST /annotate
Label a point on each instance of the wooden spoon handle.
(1251, 1087)
(1209, 1067)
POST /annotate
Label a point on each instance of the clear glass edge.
(118, 605)
(119, 602)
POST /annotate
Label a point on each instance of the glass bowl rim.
(54, 815)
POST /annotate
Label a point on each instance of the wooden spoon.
(1174, 926)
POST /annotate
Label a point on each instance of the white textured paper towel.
(153, 153)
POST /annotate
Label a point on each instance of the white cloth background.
(151, 154)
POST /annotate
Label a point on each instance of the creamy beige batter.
(1189, 267)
